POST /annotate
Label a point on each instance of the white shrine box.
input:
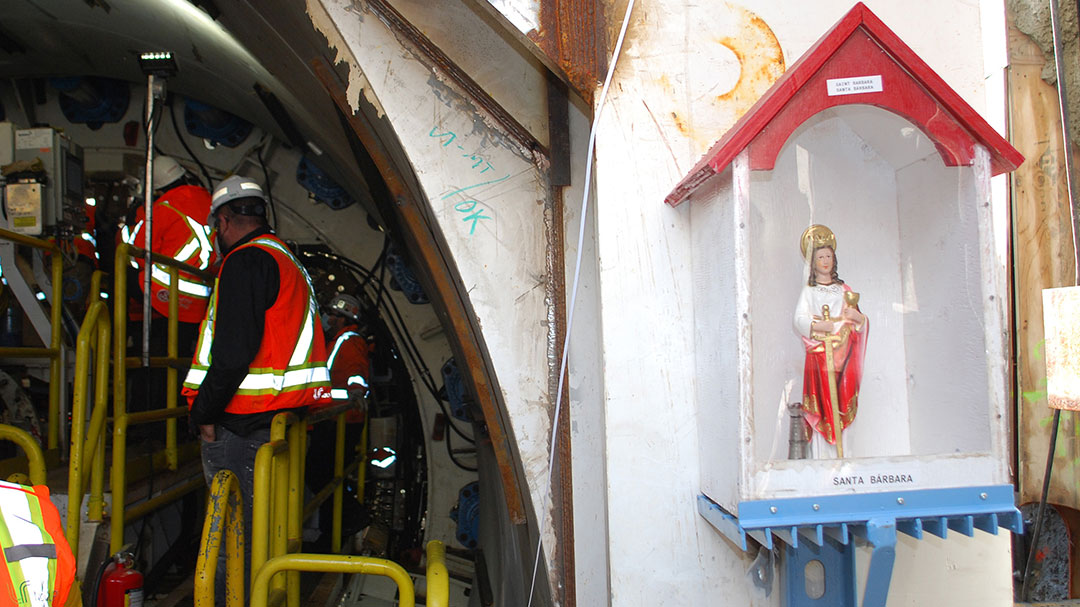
(863, 137)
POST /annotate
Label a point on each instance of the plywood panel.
(1043, 257)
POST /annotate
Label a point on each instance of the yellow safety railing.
(438, 588)
(438, 579)
(278, 511)
(32, 449)
(224, 524)
(94, 333)
(335, 488)
(53, 351)
(262, 595)
(171, 361)
(121, 418)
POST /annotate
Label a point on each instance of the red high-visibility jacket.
(350, 367)
(180, 232)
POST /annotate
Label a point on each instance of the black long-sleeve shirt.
(247, 286)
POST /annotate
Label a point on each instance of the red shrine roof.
(858, 53)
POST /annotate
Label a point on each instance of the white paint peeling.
(358, 83)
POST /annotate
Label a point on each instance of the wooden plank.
(1042, 257)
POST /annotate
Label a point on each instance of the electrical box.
(849, 303)
(22, 207)
(62, 194)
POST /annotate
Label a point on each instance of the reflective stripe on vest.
(354, 380)
(344, 337)
(28, 548)
(301, 372)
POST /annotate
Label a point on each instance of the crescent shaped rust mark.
(761, 60)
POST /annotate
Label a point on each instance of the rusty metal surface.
(562, 478)
(441, 62)
(401, 207)
(571, 33)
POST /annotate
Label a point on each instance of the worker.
(348, 361)
(180, 232)
(39, 568)
(349, 371)
(261, 349)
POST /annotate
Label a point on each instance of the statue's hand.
(854, 315)
(822, 326)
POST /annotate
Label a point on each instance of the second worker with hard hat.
(261, 349)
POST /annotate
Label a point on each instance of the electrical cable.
(397, 324)
(573, 293)
(176, 129)
(450, 452)
(269, 193)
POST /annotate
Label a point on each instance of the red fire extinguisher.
(121, 585)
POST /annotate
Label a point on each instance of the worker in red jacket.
(180, 232)
(350, 368)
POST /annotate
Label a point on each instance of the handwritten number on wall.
(471, 209)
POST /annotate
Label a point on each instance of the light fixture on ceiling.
(158, 63)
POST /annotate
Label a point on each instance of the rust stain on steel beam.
(439, 60)
(562, 491)
(571, 32)
(449, 300)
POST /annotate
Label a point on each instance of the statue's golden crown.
(814, 237)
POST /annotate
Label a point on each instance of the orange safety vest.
(289, 370)
(179, 232)
(349, 367)
(39, 569)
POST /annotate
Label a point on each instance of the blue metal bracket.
(881, 536)
(809, 572)
(821, 528)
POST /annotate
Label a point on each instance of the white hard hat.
(166, 171)
(346, 305)
(236, 188)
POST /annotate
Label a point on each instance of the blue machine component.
(467, 515)
(455, 390)
(92, 100)
(810, 527)
(324, 189)
(215, 125)
(403, 278)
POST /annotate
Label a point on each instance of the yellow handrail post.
(96, 436)
(119, 488)
(30, 447)
(263, 497)
(56, 367)
(224, 523)
(339, 491)
(95, 286)
(94, 328)
(333, 564)
(120, 329)
(171, 385)
(438, 580)
(361, 474)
